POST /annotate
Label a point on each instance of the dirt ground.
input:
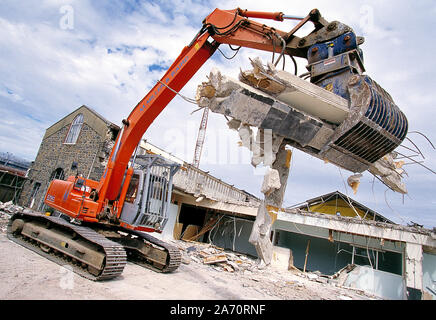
(25, 275)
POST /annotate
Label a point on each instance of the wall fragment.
(309, 117)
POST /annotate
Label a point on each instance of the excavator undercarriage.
(97, 253)
(90, 254)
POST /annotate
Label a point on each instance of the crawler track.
(97, 253)
(112, 254)
(172, 260)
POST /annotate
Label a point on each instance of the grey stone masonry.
(90, 152)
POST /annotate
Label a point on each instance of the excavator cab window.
(156, 188)
(132, 191)
(79, 183)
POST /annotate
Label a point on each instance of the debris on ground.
(225, 266)
(6, 211)
(216, 257)
(4, 218)
(10, 207)
(291, 284)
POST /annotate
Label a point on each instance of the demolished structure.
(357, 130)
(312, 119)
(353, 133)
(12, 176)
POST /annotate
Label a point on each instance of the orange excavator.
(111, 219)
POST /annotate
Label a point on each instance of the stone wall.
(90, 152)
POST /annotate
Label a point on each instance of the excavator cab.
(149, 192)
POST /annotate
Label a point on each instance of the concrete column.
(269, 208)
(413, 257)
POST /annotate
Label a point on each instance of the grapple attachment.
(374, 127)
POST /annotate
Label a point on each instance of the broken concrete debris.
(354, 181)
(7, 209)
(259, 236)
(274, 188)
(245, 134)
(10, 207)
(390, 172)
(264, 146)
(312, 119)
(289, 284)
(296, 92)
(255, 108)
(216, 257)
(286, 110)
(271, 181)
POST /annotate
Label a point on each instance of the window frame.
(78, 125)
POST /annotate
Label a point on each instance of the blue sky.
(110, 54)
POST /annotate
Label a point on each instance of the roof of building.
(102, 124)
(353, 225)
(90, 109)
(339, 195)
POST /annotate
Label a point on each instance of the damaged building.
(12, 176)
(327, 234)
(357, 130)
(84, 138)
(332, 232)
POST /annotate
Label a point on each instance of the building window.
(35, 190)
(74, 131)
(57, 174)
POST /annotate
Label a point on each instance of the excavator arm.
(97, 201)
(141, 117)
(224, 27)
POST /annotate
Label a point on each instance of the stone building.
(83, 137)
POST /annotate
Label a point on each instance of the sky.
(57, 55)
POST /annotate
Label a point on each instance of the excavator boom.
(225, 27)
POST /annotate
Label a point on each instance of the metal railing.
(200, 184)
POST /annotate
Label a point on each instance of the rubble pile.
(216, 257)
(4, 218)
(244, 273)
(10, 207)
(291, 284)
(6, 211)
